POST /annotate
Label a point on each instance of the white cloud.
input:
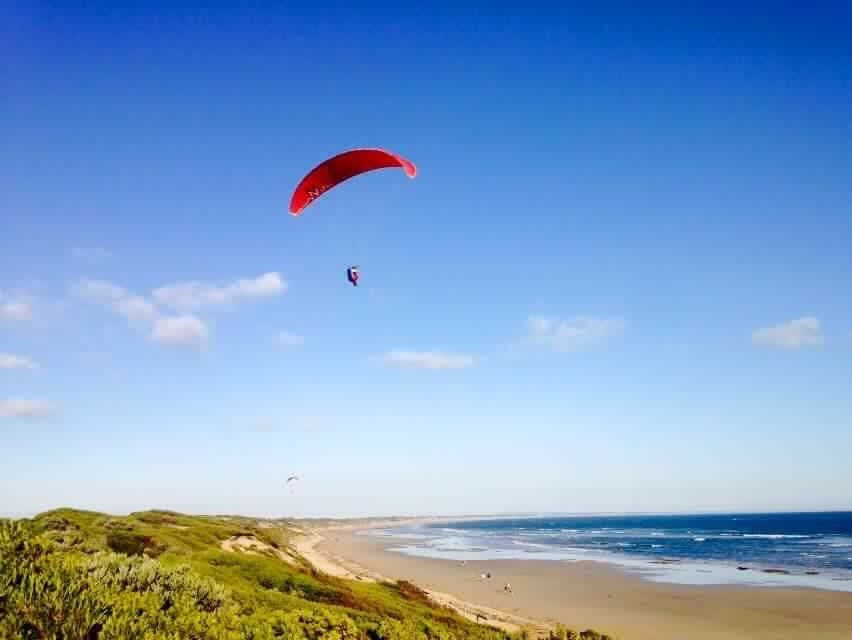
(194, 295)
(286, 339)
(9, 361)
(796, 334)
(137, 309)
(262, 425)
(185, 331)
(25, 408)
(316, 424)
(428, 359)
(101, 291)
(15, 307)
(573, 333)
(307, 424)
(132, 307)
(92, 254)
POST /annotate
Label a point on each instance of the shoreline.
(667, 570)
(586, 594)
(307, 546)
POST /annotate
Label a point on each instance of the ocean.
(778, 549)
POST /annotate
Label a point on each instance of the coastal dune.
(594, 595)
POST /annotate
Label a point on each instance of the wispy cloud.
(184, 331)
(10, 361)
(91, 254)
(261, 425)
(573, 333)
(194, 295)
(25, 408)
(796, 334)
(285, 339)
(306, 424)
(15, 307)
(133, 307)
(316, 424)
(100, 291)
(428, 359)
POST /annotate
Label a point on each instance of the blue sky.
(619, 281)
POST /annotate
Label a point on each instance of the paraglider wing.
(342, 167)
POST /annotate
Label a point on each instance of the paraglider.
(337, 169)
(340, 168)
(352, 274)
(289, 480)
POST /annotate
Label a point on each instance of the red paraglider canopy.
(340, 168)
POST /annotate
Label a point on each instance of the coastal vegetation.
(80, 575)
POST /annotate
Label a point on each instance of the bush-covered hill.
(77, 575)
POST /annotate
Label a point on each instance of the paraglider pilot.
(352, 275)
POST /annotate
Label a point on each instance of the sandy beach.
(591, 595)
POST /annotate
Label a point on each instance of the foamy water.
(777, 550)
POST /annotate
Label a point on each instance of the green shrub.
(70, 575)
(133, 543)
(411, 591)
(156, 517)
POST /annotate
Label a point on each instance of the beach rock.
(781, 571)
(742, 568)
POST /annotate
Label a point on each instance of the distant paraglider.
(289, 480)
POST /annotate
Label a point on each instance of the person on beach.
(507, 588)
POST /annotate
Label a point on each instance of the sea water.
(778, 549)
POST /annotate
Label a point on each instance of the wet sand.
(593, 595)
